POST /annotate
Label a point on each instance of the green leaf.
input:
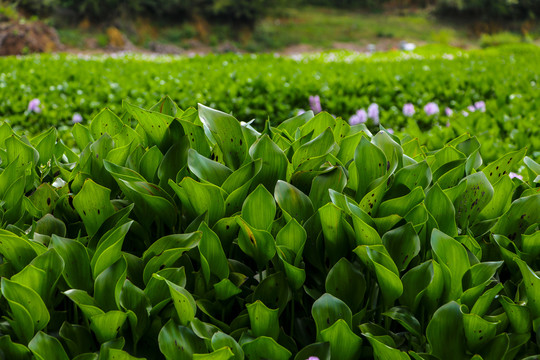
(45, 347)
(258, 244)
(154, 124)
(383, 351)
(224, 353)
(109, 248)
(441, 208)
(77, 270)
(371, 163)
(478, 194)
(335, 179)
(319, 350)
(406, 318)
(14, 351)
(423, 283)
(106, 326)
(453, 258)
(264, 321)
(531, 282)
(183, 301)
(478, 331)
(403, 244)
(319, 146)
(220, 340)
(292, 201)
(228, 134)
(178, 342)
(93, 205)
(445, 332)
(18, 251)
(327, 310)
(344, 343)
(261, 347)
(108, 285)
(207, 169)
(259, 209)
(210, 248)
(521, 214)
(503, 166)
(199, 198)
(338, 283)
(27, 298)
(274, 162)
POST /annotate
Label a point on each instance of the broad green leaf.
(220, 340)
(371, 163)
(403, 244)
(46, 347)
(261, 347)
(503, 166)
(109, 248)
(108, 285)
(210, 248)
(453, 258)
(336, 243)
(338, 282)
(12, 350)
(274, 162)
(318, 350)
(18, 251)
(206, 169)
(155, 124)
(478, 194)
(264, 321)
(319, 146)
(521, 214)
(445, 332)
(441, 208)
(259, 209)
(77, 270)
(224, 353)
(344, 343)
(531, 282)
(383, 351)
(93, 205)
(406, 318)
(335, 179)
(292, 201)
(228, 134)
(258, 244)
(327, 310)
(27, 298)
(106, 326)
(178, 342)
(199, 198)
(423, 283)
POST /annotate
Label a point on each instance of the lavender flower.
(480, 105)
(471, 108)
(77, 118)
(390, 131)
(312, 358)
(514, 175)
(33, 106)
(300, 112)
(448, 124)
(431, 109)
(315, 104)
(465, 113)
(448, 111)
(373, 113)
(358, 118)
(408, 110)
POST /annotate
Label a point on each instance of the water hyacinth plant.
(195, 236)
(431, 109)
(408, 110)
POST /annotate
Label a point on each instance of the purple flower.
(390, 131)
(465, 113)
(514, 175)
(33, 106)
(408, 110)
(431, 109)
(77, 118)
(448, 124)
(480, 105)
(315, 104)
(448, 111)
(373, 113)
(471, 108)
(358, 118)
(300, 112)
(312, 358)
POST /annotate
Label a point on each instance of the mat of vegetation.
(256, 87)
(193, 236)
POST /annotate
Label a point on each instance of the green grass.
(323, 27)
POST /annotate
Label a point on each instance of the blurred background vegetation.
(267, 25)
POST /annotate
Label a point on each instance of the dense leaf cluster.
(194, 236)
(262, 86)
